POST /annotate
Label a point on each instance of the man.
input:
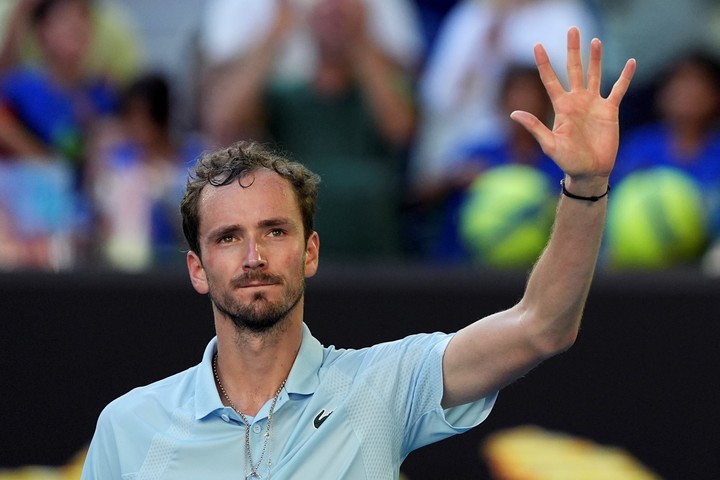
(269, 400)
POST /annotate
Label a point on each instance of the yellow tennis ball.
(656, 219)
(507, 216)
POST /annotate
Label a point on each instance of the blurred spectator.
(262, 47)
(167, 33)
(139, 171)
(346, 110)
(521, 89)
(51, 108)
(687, 134)
(113, 52)
(459, 88)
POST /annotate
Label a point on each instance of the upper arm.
(487, 355)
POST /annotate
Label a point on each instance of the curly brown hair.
(223, 166)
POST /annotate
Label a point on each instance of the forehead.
(257, 196)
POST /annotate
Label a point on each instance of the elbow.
(553, 343)
(563, 343)
(553, 338)
(549, 332)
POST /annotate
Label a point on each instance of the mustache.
(255, 277)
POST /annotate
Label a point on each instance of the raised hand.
(585, 135)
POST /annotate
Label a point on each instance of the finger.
(594, 75)
(547, 74)
(537, 129)
(574, 60)
(623, 82)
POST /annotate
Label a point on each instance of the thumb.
(537, 129)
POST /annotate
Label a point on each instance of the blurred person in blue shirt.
(138, 173)
(52, 108)
(459, 88)
(115, 50)
(521, 89)
(686, 134)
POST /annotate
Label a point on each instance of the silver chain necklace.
(248, 454)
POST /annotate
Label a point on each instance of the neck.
(251, 367)
(66, 74)
(689, 138)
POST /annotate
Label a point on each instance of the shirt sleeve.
(431, 422)
(408, 374)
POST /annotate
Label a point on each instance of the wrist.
(587, 186)
(590, 189)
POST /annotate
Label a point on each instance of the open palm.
(585, 135)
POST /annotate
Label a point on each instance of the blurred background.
(433, 206)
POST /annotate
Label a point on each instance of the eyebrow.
(276, 222)
(224, 230)
(268, 223)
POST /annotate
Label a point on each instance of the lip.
(255, 281)
(257, 285)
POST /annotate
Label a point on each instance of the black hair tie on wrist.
(578, 197)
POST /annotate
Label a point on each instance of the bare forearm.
(558, 286)
(234, 104)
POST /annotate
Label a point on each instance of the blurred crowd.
(402, 107)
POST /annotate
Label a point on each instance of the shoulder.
(384, 376)
(413, 349)
(128, 425)
(157, 401)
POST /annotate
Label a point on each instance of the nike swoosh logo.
(320, 419)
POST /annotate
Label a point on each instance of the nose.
(253, 258)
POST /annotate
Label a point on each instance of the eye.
(226, 239)
(276, 232)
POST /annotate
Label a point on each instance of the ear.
(312, 253)
(197, 273)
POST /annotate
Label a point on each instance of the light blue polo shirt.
(343, 414)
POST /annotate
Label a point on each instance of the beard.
(259, 315)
